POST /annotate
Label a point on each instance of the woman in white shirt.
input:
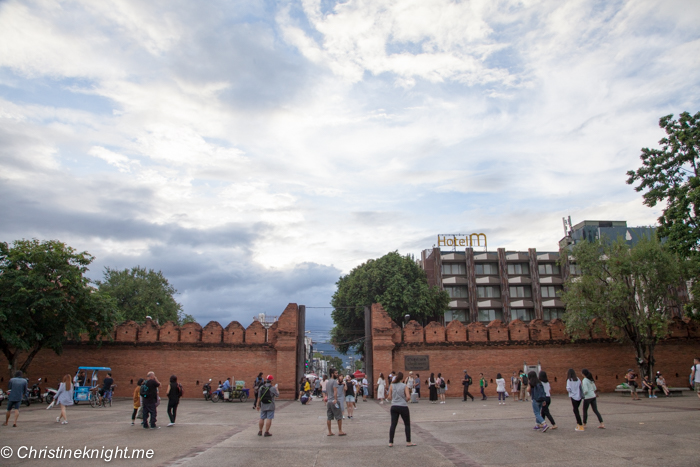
(547, 401)
(501, 389)
(573, 387)
(381, 391)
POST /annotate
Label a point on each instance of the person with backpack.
(256, 386)
(266, 405)
(466, 382)
(539, 396)
(149, 392)
(524, 386)
(573, 387)
(483, 384)
(442, 387)
(174, 394)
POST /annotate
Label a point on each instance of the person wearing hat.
(266, 405)
(661, 383)
(465, 386)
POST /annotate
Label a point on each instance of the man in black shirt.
(465, 383)
(106, 385)
(150, 399)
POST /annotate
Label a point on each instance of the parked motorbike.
(34, 393)
(206, 390)
(2, 396)
(50, 395)
(217, 395)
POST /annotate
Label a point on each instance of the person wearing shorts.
(17, 387)
(333, 410)
(267, 407)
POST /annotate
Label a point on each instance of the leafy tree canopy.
(670, 176)
(632, 291)
(394, 281)
(45, 299)
(140, 293)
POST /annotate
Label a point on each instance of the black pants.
(149, 407)
(133, 415)
(417, 392)
(576, 404)
(396, 411)
(465, 392)
(545, 410)
(255, 402)
(172, 411)
(593, 404)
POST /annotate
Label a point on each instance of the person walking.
(483, 384)
(399, 396)
(466, 382)
(17, 387)
(323, 385)
(64, 397)
(573, 387)
(695, 375)
(266, 405)
(416, 385)
(332, 403)
(350, 396)
(256, 387)
(589, 397)
(548, 400)
(538, 397)
(174, 392)
(442, 387)
(501, 389)
(137, 401)
(317, 387)
(432, 388)
(515, 386)
(631, 378)
(150, 400)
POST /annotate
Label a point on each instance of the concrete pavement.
(656, 432)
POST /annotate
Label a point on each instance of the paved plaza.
(658, 432)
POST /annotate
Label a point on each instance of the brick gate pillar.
(382, 343)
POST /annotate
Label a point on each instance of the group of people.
(147, 399)
(412, 382)
(648, 386)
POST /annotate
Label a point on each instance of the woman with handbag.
(442, 387)
(64, 397)
(137, 402)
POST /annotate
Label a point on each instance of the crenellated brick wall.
(498, 347)
(192, 353)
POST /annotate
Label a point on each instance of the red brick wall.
(184, 352)
(498, 348)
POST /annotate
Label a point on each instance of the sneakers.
(64, 422)
(267, 433)
(260, 433)
(58, 420)
(171, 424)
(545, 427)
(155, 428)
(536, 427)
(132, 423)
(580, 428)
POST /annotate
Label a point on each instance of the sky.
(254, 152)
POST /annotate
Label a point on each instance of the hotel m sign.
(463, 240)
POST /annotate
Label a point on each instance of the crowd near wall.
(191, 352)
(503, 348)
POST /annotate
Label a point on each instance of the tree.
(140, 293)
(632, 290)
(670, 175)
(394, 281)
(46, 300)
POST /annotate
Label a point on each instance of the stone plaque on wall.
(416, 362)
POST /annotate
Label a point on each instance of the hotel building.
(507, 285)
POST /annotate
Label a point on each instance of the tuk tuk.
(86, 387)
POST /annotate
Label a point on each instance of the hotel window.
(523, 314)
(460, 315)
(574, 269)
(550, 291)
(490, 315)
(454, 268)
(457, 292)
(520, 291)
(548, 269)
(488, 291)
(553, 313)
(486, 269)
(515, 269)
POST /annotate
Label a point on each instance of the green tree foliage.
(45, 300)
(140, 293)
(670, 176)
(394, 281)
(631, 290)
